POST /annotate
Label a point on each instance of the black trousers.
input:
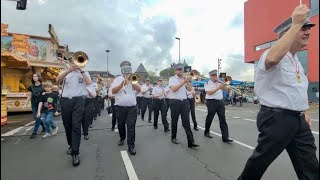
(168, 104)
(146, 102)
(283, 131)
(139, 104)
(177, 108)
(127, 115)
(72, 111)
(160, 105)
(216, 106)
(114, 113)
(88, 115)
(192, 110)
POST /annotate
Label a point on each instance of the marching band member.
(146, 101)
(88, 110)
(281, 86)
(75, 81)
(215, 105)
(191, 99)
(114, 114)
(179, 105)
(125, 102)
(158, 94)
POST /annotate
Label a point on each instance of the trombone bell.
(134, 78)
(80, 58)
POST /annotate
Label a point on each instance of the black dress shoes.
(174, 141)
(155, 127)
(69, 151)
(196, 129)
(75, 160)
(149, 121)
(132, 151)
(167, 130)
(207, 135)
(192, 145)
(227, 140)
(120, 143)
(86, 137)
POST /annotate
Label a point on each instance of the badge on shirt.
(298, 78)
(80, 80)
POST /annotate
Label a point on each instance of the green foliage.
(166, 73)
(152, 76)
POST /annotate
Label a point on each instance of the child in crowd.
(56, 90)
(47, 108)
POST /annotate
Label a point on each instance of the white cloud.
(141, 31)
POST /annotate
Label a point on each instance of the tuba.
(134, 78)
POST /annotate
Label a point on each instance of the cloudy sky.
(141, 31)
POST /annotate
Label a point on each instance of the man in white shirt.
(159, 104)
(88, 109)
(73, 94)
(179, 105)
(191, 99)
(146, 100)
(214, 96)
(281, 86)
(125, 102)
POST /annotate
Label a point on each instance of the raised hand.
(300, 14)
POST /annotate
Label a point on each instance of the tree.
(166, 73)
(152, 76)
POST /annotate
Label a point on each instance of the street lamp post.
(107, 66)
(179, 48)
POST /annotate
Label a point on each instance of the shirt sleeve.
(30, 88)
(115, 83)
(171, 81)
(262, 64)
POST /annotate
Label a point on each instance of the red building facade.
(262, 16)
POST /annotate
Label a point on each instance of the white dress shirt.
(278, 86)
(181, 93)
(158, 90)
(209, 86)
(74, 84)
(190, 93)
(126, 96)
(145, 91)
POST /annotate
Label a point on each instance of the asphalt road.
(157, 158)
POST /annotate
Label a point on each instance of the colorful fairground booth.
(21, 56)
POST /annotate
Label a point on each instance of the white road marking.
(246, 119)
(12, 132)
(315, 132)
(29, 123)
(2, 139)
(237, 117)
(130, 170)
(238, 142)
(314, 120)
(26, 131)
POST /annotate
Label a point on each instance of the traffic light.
(219, 63)
(21, 5)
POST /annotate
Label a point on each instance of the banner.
(4, 28)
(21, 42)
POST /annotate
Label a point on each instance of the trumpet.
(134, 78)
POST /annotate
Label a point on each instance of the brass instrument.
(191, 74)
(227, 86)
(134, 78)
(78, 58)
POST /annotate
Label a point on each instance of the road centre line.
(12, 132)
(128, 165)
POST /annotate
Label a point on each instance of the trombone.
(227, 86)
(78, 58)
(134, 78)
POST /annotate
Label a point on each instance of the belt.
(75, 97)
(178, 99)
(214, 99)
(273, 109)
(125, 106)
